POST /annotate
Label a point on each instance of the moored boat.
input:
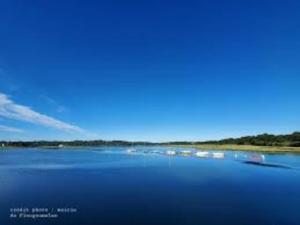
(131, 150)
(257, 158)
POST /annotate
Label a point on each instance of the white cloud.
(10, 129)
(11, 110)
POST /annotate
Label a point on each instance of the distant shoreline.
(259, 143)
(224, 147)
(274, 149)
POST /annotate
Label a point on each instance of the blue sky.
(148, 70)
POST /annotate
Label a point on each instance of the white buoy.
(218, 155)
(202, 154)
(170, 152)
(131, 150)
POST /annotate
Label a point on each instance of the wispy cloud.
(10, 129)
(59, 108)
(11, 110)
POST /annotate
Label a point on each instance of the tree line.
(289, 140)
(76, 143)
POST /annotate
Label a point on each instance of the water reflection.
(113, 186)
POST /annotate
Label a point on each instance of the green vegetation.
(263, 142)
(76, 143)
(243, 148)
(290, 140)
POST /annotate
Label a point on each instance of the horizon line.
(141, 141)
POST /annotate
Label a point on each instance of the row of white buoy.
(217, 155)
(255, 157)
(200, 154)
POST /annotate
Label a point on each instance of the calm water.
(110, 186)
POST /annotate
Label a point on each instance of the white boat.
(256, 158)
(202, 154)
(131, 150)
(170, 152)
(218, 155)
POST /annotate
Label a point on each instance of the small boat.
(201, 154)
(256, 158)
(268, 165)
(170, 152)
(218, 155)
(131, 150)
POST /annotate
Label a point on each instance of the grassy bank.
(244, 148)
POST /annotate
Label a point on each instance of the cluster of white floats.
(201, 154)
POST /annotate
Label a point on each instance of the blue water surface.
(108, 185)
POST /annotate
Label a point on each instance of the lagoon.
(108, 185)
